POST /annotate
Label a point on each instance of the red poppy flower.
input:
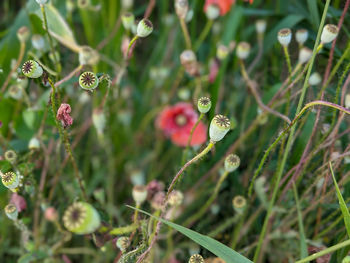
(224, 5)
(177, 121)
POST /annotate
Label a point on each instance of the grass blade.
(217, 248)
(344, 209)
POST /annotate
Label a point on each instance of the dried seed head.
(329, 33)
(88, 81)
(88, 56)
(243, 50)
(175, 198)
(128, 20)
(305, 55)
(196, 258)
(212, 12)
(222, 52)
(284, 36)
(239, 204)
(144, 28)
(301, 36)
(315, 79)
(139, 194)
(10, 180)
(219, 126)
(11, 211)
(11, 156)
(23, 34)
(32, 69)
(204, 104)
(232, 162)
(38, 42)
(181, 8)
(34, 144)
(260, 26)
(81, 218)
(123, 243)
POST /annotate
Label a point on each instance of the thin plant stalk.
(191, 135)
(204, 33)
(185, 33)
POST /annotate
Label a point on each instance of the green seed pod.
(222, 52)
(175, 198)
(260, 26)
(239, 204)
(232, 162)
(41, 2)
(218, 128)
(23, 34)
(139, 194)
(196, 258)
(81, 218)
(243, 50)
(305, 55)
(10, 180)
(123, 243)
(315, 79)
(11, 211)
(204, 104)
(128, 20)
(88, 81)
(329, 33)
(32, 69)
(346, 259)
(11, 156)
(34, 144)
(284, 36)
(212, 12)
(144, 28)
(84, 4)
(301, 36)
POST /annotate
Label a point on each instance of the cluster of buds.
(81, 218)
(189, 62)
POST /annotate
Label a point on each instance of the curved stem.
(185, 33)
(204, 33)
(289, 64)
(130, 45)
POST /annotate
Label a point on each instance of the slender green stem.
(57, 64)
(185, 33)
(64, 137)
(325, 251)
(130, 45)
(289, 64)
(204, 33)
(123, 230)
(190, 137)
(136, 211)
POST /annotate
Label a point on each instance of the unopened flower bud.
(23, 34)
(32, 69)
(10, 156)
(123, 243)
(10, 180)
(284, 36)
(301, 36)
(196, 258)
(38, 42)
(181, 8)
(329, 33)
(34, 144)
(315, 79)
(88, 56)
(51, 214)
(204, 104)
(187, 56)
(347, 101)
(212, 12)
(222, 52)
(88, 81)
(305, 55)
(128, 20)
(11, 211)
(81, 218)
(219, 126)
(239, 204)
(144, 28)
(175, 198)
(139, 194)
(232, 162)
(242, 50)
(260, 26)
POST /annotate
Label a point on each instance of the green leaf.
(215, 247)
(303, 246)
(315, 16)
(344, 209)
(32, 257)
